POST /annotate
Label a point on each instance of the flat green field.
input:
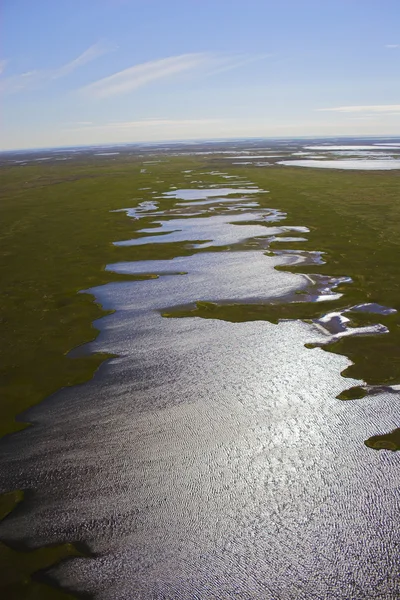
(56, 234)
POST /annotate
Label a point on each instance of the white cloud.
(374, 108)
(392, 46)
(145, 73)
(131, 78)
(90, 54)
(142, 124)
(239, 61)
(36, 78)
(18, 83)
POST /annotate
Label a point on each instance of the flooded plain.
(350, 156)
(376, 157)
(210, 459)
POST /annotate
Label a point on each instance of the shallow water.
(373, 307)
(365, 165)
(359, 147)
(212, 277)
(218, 230)
(211, 460)
(246, 156)
(204, 193)
(362, 153)
(106, 153)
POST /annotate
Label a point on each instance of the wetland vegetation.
(59, 222)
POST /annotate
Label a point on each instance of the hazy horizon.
(200, 141)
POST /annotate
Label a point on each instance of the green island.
(57, 229)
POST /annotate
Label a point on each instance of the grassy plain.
(56, 234)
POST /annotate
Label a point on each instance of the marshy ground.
(225, 408)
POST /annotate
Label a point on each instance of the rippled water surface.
(211, 460)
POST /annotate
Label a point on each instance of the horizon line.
(191, 140)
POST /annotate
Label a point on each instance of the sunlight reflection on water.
(210, 459)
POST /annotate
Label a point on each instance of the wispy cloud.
(23, 81)
(90, 54)
(37, 78)
(145, 73)
(392, 46)
(3, 64)
(235, 62)
(141, 123)
(374, 108)
(132, 78)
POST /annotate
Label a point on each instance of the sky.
(85, 72)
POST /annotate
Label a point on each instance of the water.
(211, 277)
(205, 193)
(211, 460)
(218, 230)
(373, 307)
(247, 156)
(106, 153)
(360, 153)
(357, 163)
(329, 147)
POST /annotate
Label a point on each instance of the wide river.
(211, 460)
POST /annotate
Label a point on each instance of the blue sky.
(117, 71)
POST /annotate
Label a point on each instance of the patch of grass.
(387, 441)
(240, 313)
(19, 568)
(352, 393)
